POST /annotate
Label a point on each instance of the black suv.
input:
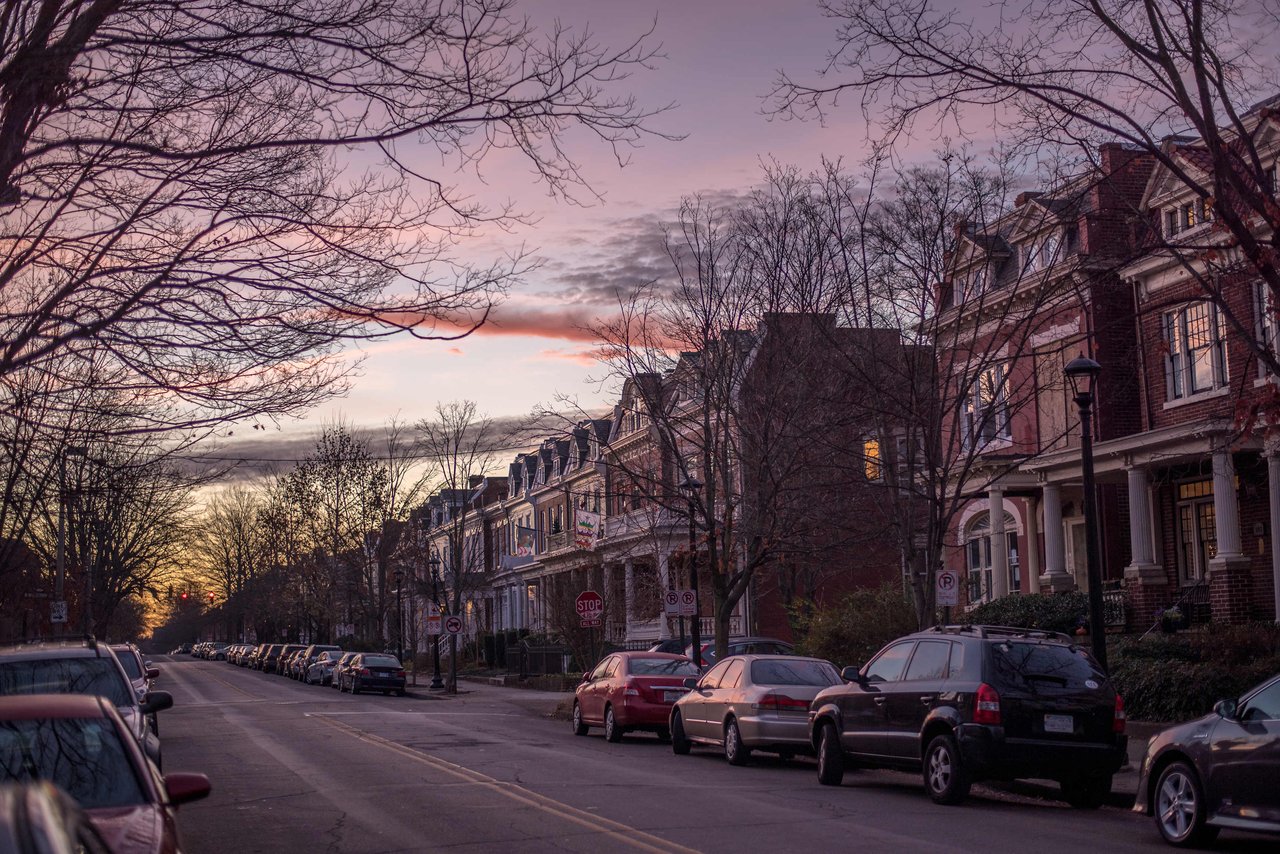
(966, 703)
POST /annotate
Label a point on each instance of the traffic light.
(184, 595)
(211, 598)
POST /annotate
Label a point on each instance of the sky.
(721, 58)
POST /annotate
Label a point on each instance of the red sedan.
(631, 691)
(81, 744)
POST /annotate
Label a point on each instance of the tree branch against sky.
(217, 194)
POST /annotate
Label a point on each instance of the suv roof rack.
(1002, 631)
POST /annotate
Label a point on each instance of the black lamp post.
(437, 684)
(1082, 372)
(399, 577)
(690, 488)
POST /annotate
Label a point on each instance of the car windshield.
(129, 662)
(793, 672)
(380, 661)
(98, 676)
(82, 756)
(662, 667)
(1029, 666)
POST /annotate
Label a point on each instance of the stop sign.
(589, 604)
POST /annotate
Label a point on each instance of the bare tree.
(211, 196)
(1177, 80)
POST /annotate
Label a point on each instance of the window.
(1267, 325)
(984, 415)
(1264, 705)
(712, 679)
(1186, 216)
(1051, 248)
(930, 661)
(733, 675)
(888, 666)
(1197, 362)
(978, 557)
(873, 468)
(1030, 258)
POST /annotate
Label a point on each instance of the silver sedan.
(751, 702)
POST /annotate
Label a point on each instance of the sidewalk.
(1124, 787)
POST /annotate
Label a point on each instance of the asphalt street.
(299, 768)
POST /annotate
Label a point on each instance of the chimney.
(1026, 196)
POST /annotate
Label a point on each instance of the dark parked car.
(751, 702)
(742, 646)
(86, 667)
(270, 657)
(38, 818)
(1222, 770)
(286, 655)
(340, 670)
(81, 744)
(374, 671)
(631, 691)
(308, 658)
(966, 703)
(142, 675)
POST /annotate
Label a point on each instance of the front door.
(863, 707)
(699, 709)
(911, 699)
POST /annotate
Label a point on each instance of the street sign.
(433, 624)
(948, 588)
(58, 611)
(688, 603)
(453, 625)
(671, 603)
(590, 608)
(591, 624)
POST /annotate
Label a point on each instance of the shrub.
(1180, 677)
(1057, 612)
(853, 630)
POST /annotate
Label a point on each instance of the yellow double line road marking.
(616, 831)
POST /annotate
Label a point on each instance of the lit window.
(985, 409)
(872, 465)
(1197, 361)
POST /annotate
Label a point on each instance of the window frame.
(1182, 359)
(973, 408)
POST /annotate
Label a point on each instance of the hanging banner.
(587, 531)
(524, 541)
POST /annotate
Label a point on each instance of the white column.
(1226, 510)
(1139, 518)
(629, 591)
(999, 545)
(1273, 493)
(1055, 555)
(1031, 560)
(664, 581)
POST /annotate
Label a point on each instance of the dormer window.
(1186, 216)
(1030, 258)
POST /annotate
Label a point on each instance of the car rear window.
(380, 661)
(1030, 666)
(98, 676)
(662, 667)
(82, 756)
(793, 672)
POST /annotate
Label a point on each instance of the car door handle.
(927, 699)
(879, 701)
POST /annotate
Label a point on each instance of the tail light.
(986, 706)
(364, 671)
(1118, 722)
(630, 689)
(775, 702)
(399, 674)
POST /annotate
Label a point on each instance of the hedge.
(1058, 612)
(855, 629)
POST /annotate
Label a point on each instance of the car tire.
(945, 777)
(830, 756)
(579, 726)
(1087, 793)
(612, 732)
(734, 750)
(1179, 807)
(680, 744)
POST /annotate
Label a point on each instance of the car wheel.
(1087, 793)
(579, 727)
(944, 775)
(1180, 808)
(612, 732)
(830, 757)
(734, 750)
(680, 744)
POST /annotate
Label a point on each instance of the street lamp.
(1082, 372)
(398, 574)
(691, 488)
(437, 684)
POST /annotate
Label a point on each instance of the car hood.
(133, 829)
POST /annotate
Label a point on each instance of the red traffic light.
(184, 595)
(210, 597)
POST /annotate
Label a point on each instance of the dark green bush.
(1057, 612)
(1180, 677)
(853, 630)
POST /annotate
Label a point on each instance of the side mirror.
(153, 672)
(1227, 709)
(690, 682)
(156, 701)
(851, 674)
(183, 787)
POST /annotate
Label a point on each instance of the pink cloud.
(587, 357)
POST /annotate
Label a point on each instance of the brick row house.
(529, 556)
(1189, 493)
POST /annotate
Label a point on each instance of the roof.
(52, 649)
(26, 707)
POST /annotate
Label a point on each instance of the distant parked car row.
(322, 664)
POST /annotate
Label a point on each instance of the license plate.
(1059, 723)
(672, 696)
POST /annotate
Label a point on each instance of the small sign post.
(433, 625)
(58, 611)
(947, 591)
